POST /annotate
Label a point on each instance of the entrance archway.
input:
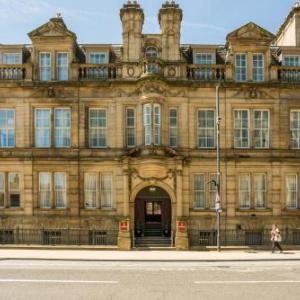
(153, 213)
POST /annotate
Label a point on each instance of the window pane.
(173, 127)
(60, 190)
(244, 191)
(42, 128)
(98, 58)
(241, 129)
(151, 52)
(62, 66)
(204, 59)
(261, 130)
(7, 128)
(292, 191)
(106, 191)
(45, 190)
(12, 58)
(147, 124)
(295, 129)
(258, 67)
(45, 66)
(13, 189)
(241, 67)
(260, 190)
(2, 189)
(97, 128)
(90, 181)
(130, 113)
(62, 123)
(199, 192)
(206, 129)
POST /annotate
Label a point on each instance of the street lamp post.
(218, 179)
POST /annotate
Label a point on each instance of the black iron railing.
(241, 237)
(58, 236)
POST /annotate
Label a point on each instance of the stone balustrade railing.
(206, 72)
(95, 72)
(15, 72)
(288, 74)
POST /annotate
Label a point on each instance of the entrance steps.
(153, 241)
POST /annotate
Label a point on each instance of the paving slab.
(87, 255)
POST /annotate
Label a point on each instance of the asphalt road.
(38, 280)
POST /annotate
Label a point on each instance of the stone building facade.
(107, 138)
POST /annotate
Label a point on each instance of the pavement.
(139, 255)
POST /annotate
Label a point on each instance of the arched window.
(152, 124)
(151, 52)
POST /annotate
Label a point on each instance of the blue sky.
(97, 21)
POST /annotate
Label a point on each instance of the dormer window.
(98, 58)
(12, 58)
(241, 67)
(258, 67)
(291, 60)
(45, 66)
(204, 58)
(151, 52)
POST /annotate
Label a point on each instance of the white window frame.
(262, 68)
(103, 129)
(13, 191)
(248, 191)
(206, 129)
(147, 116)
(93, 204)
(157, 125)
(15, 54)
(49, 174)
(196, 205)
(103, 204)
(173, 129)
(63, 67)
(260, 130)
(206, 60)
(295, 58)
(43, 128)
(238, 69)
(241, 130)
(288, 191)
(105, 61)
(130, 128)
(60, 129)
(7, 129)
(63, 190)
(263, 192)
(41, 68)
(151, 52)
(295, 141)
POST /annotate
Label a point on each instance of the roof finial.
(297, 4)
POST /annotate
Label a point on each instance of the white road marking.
(246, 281)
(57, 281)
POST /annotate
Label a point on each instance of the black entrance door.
(152, 212)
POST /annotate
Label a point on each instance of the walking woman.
(276, 238)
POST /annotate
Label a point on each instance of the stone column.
(125, 193)
(181, 239)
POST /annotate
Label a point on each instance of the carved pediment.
(146, 87)
(56, 27)
(250, 31)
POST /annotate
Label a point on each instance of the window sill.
(11, 208)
